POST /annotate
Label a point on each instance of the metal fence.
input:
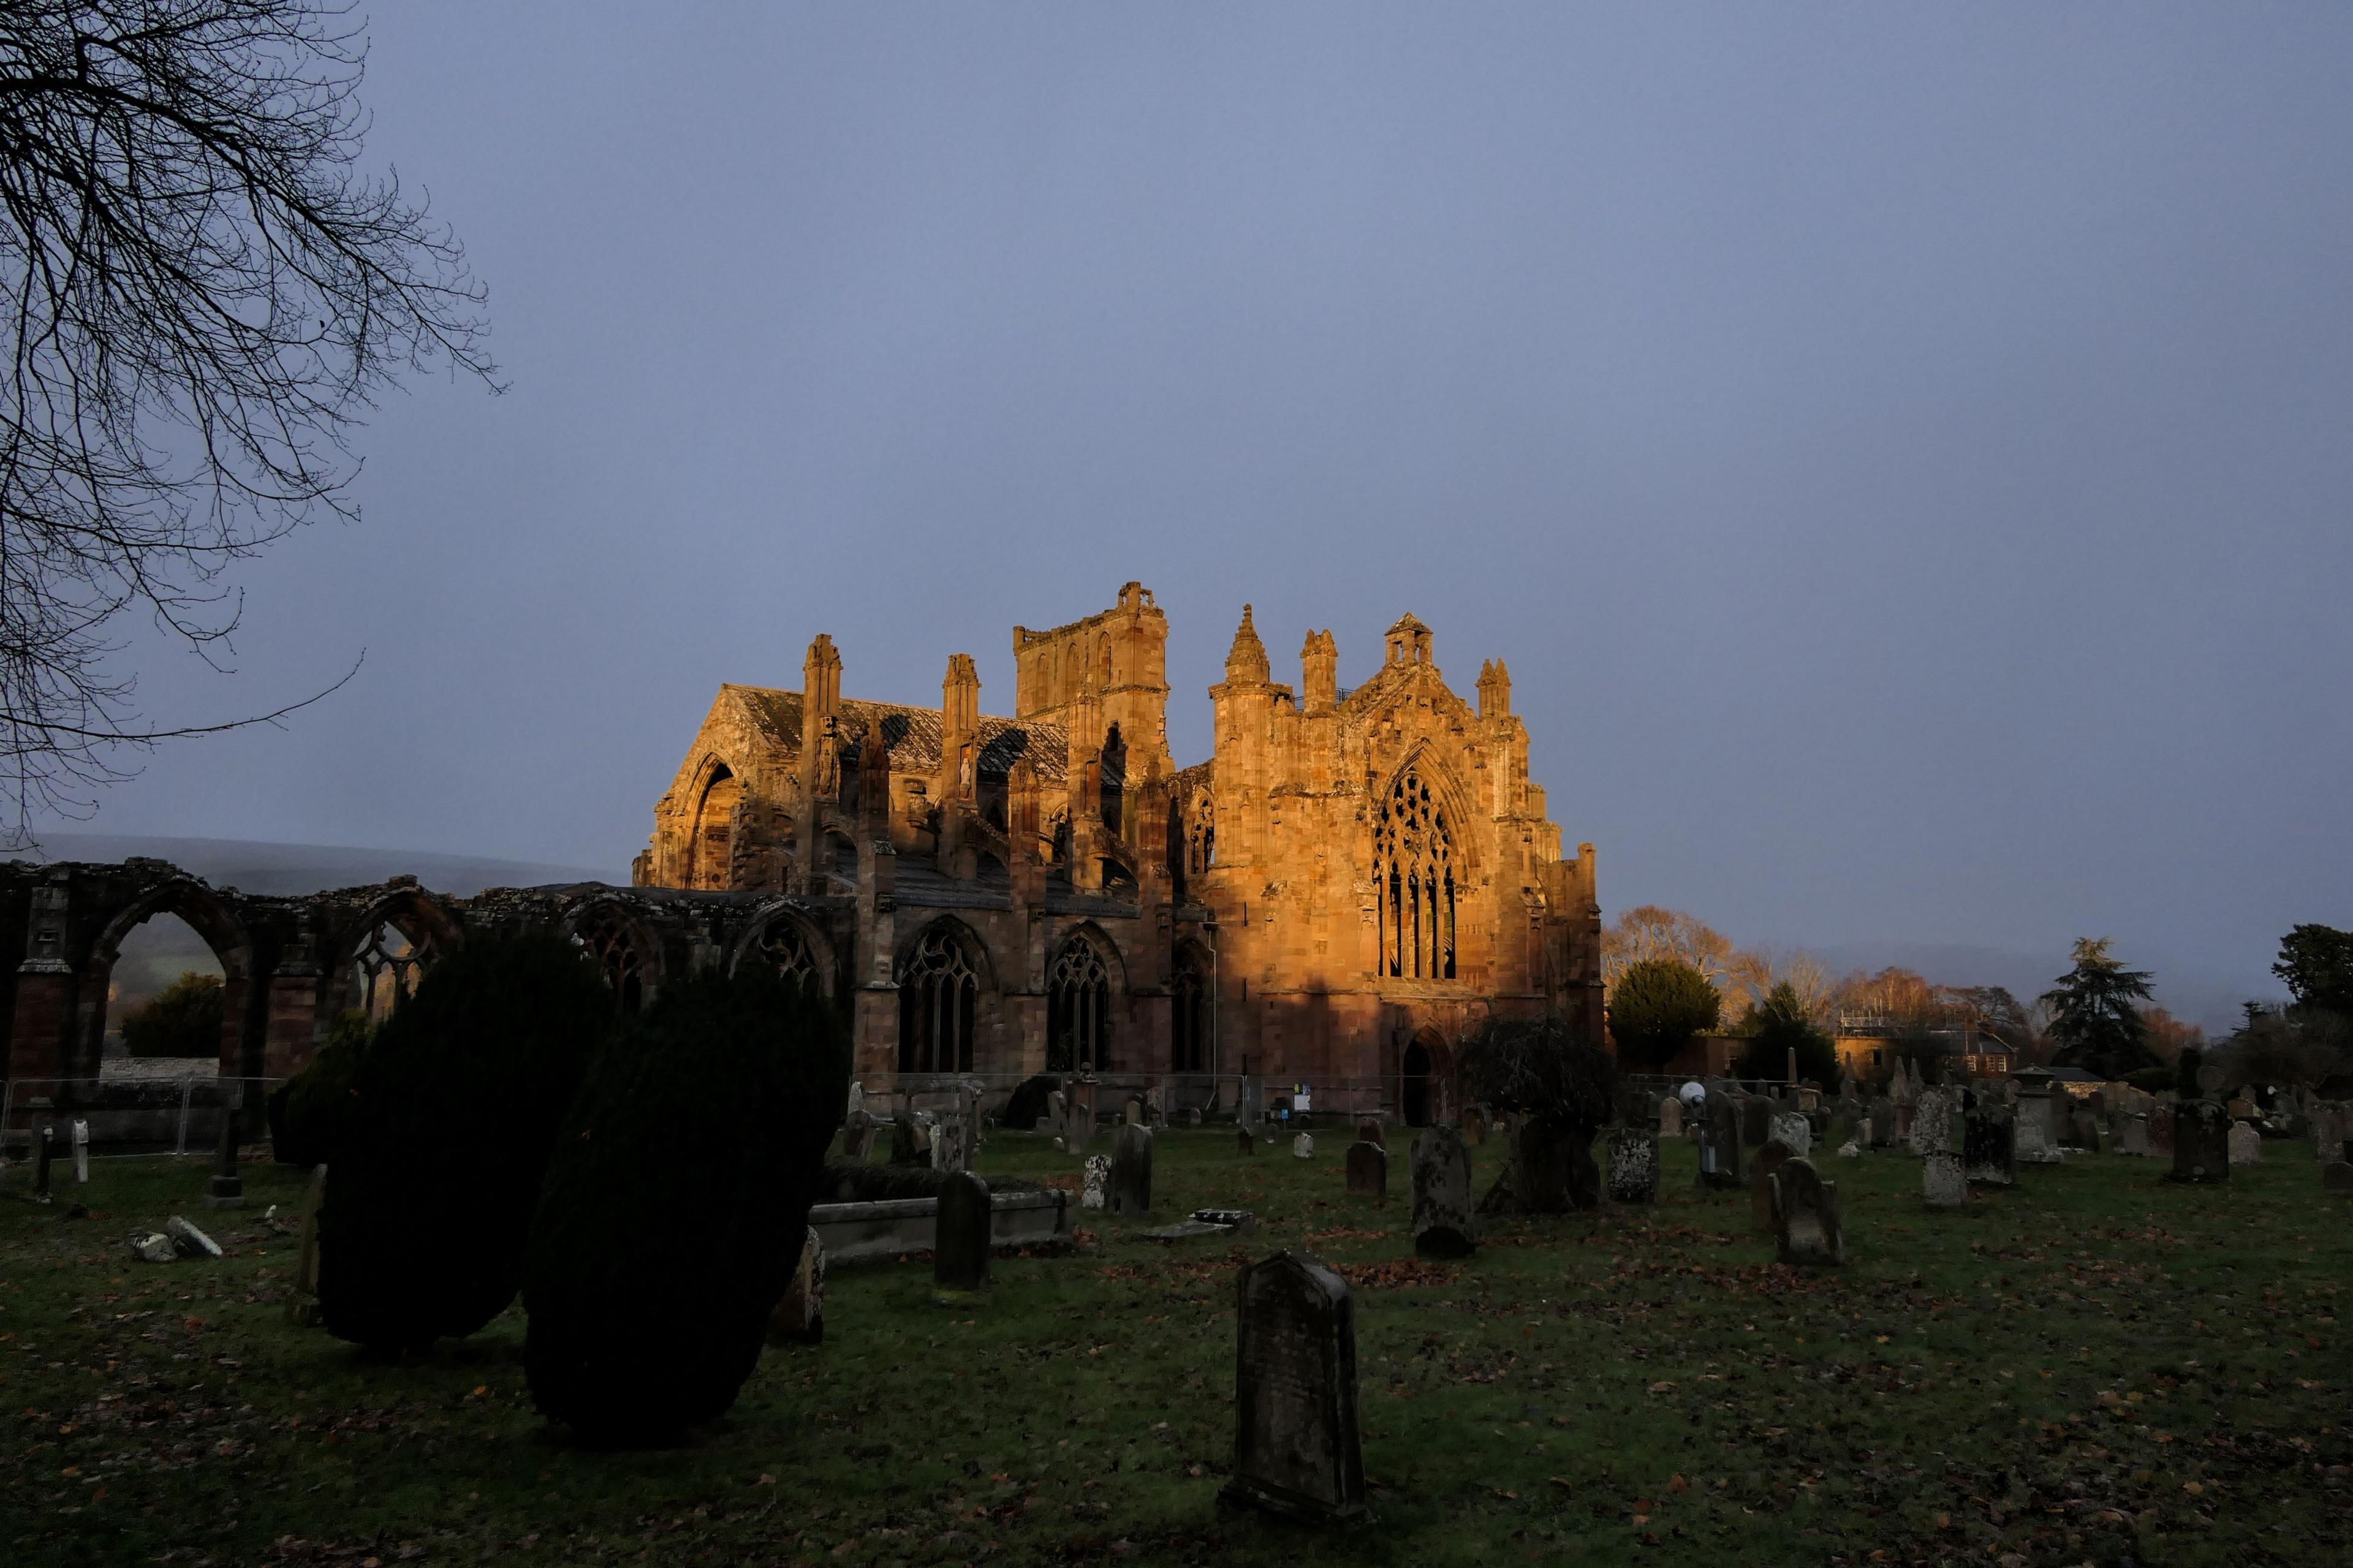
(177, 1115)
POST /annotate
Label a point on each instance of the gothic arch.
(942, 974)
(361, 958)
(709, 825)
(1192, 1011)
(1085, 973)
(789, 941)
(624, 947)
(210, 917)
(1422, 870)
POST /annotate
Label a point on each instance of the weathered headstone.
(800, 1316)
(44, 1149)
(2032, 1144)
(1131, 1170)
(2132, 1134)
(1155, 1107)
(1303, 1146)
(2241, 1108)
(2161, 1130)
(190, 1241)
(1881, 1116)
(1633, 1165)
(1132, 1113)
(2202, 1142)
(81, 1149)
(1297, 1449)
(1094, 1194)
(2337, 1176)
(1719, 1142)
(1444, 1224)
(961, 1234)
(2209, 1080)
(1797, 1131)
(1368, 1170)
(1989, 1150)
(1806, 1229)
(2325, 1133)
(2246, 1144)
(1943, 1182)
(1932, 1121)
(301, 1306)
(228, 1186)
(858, 1138)
(1769, 1159)
(952, 1144)
(1671, 1116)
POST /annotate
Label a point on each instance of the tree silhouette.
(2093, 1016)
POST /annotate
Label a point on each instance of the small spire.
(1247, 660)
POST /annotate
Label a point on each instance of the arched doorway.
(181, 910)
(1427, 1077)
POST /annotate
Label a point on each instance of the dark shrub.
(846, 1181)
(435, 1169)
(184, 1020)
(1028, 1103)
(1565, 1090)
(682, 1178)
(306, 1111)
(2150, 1080)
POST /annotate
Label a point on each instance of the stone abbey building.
(1349, 887)
(1346, 889)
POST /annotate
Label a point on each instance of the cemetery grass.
(2094, 1365)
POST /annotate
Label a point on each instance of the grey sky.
(1902, 451)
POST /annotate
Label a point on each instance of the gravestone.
(1756, 1120)
(2032, 1144)
(1079, 1128)
(1769, 1159)
(952, 1144)
(1133, 1115)
(911, 1140)
(1303, 1146)
(2201, 1140)
(1671, 1116)
(2132, 1134)
(800, 1316)
(2160, 1131)
(1155, 1107)
(302, 1308)
(1881, 1118)
(1943, 1182)
(44, 1149)
(1806, 1230)
(2246, 1144)
(1932, 1121)
(1248, 1144)
(81, 1147)
(1131, 1170)
(1633, 1165)
(1719, 1142)
(1369, 1171)
(961, 1234)
(1297, 1450)
(227, 1187)
(2325, 1135)
(2209, 1080)
(858, 1138)
(857, 1101)
(2337, 1176)
(1444, 1224)
(1192, 1116)
(1797, 1131)
(1989, 1151)
(1093, 1195)
(1369, 1130)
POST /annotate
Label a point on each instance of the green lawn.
(2097, 1363)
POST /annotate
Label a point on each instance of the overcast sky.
(1902, 451)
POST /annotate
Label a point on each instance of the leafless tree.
(201, 294)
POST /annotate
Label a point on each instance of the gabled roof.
(912, 734)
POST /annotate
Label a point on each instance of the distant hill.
(286, 869)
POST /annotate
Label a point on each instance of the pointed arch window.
(1414, 882)
(612, 943)
(784, 948)
(1188, 1018)
(386, 968)
(939, 993)
(1078, 1009)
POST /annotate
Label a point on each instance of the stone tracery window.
(611, 939)
(1078, 1009)
(939, 992)
(1413, 882)
(1201, 842)
(386, 968)
(784, 948)
(1188, 1019)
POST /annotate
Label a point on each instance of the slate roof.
(913, 733)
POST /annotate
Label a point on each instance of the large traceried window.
(939, 993)
(386, 968)
(1188, 1019)
(1078, 1009)
(1413, 879)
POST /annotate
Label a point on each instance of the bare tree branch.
(201, 296)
